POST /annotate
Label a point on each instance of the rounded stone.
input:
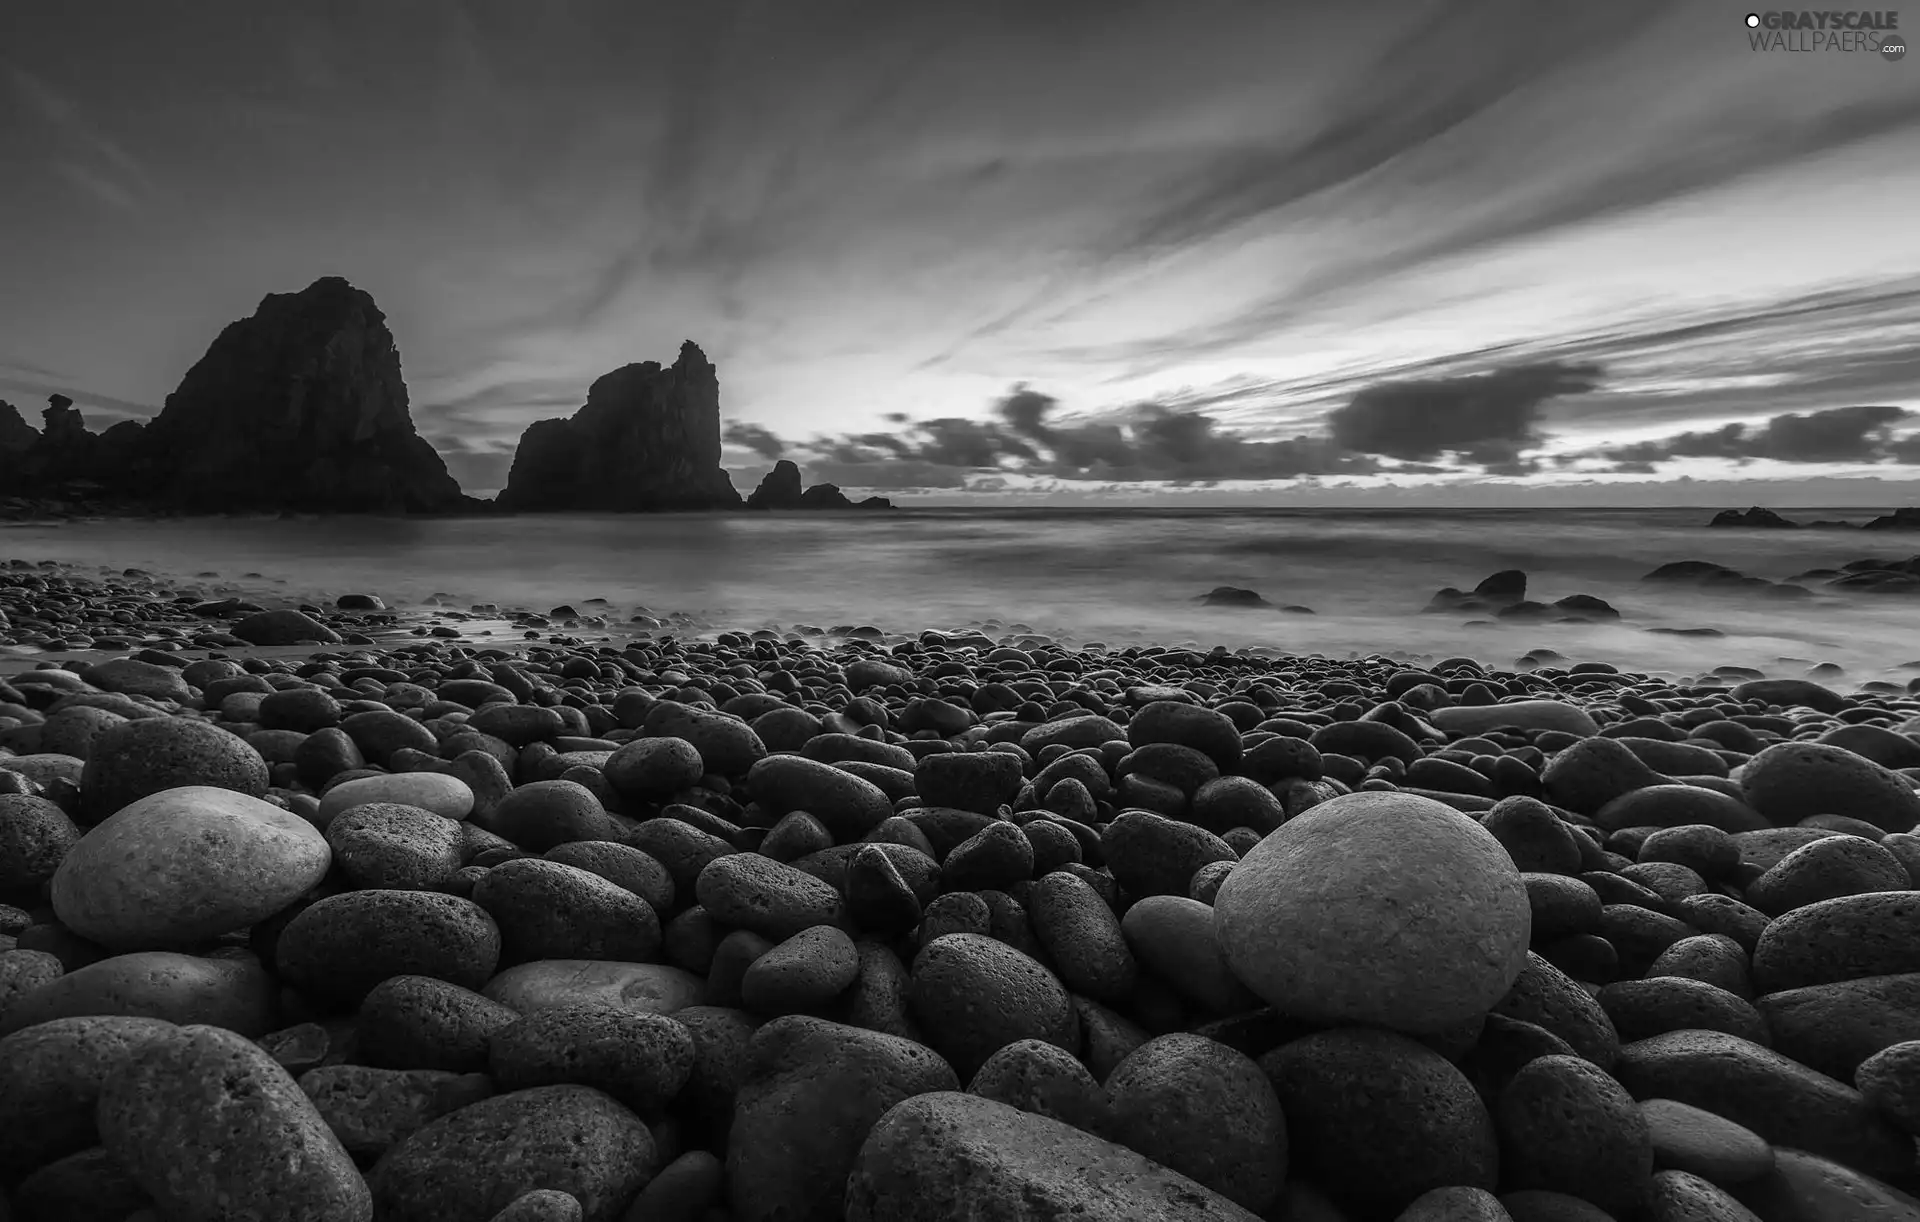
(1039, 1077)
(1376, 908)
(846, 805)
(138, 758)
(1565, 1126)
(801, 974)
(186, 865)
(1380, 1118)
(305, 709)
(1082, 938)
(35, 835)
(477, 1161)
(50, 1080)
(1827, 869)
(545, 814)
(546, 910)
(212, 1126)
(1890, 1080)
(417, 1022)
(1789, 781)
(654, 769)
(1206, 1111)
(442, 793)
(641, 1059)
(338, 948)
(974, 995)
(1687, 1138)
(774, 900)
(1839, 939)
(385, 845)
(233, 993)
(1172, 936)
(652, 987)
(622, 865)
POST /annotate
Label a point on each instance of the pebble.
(1692, 1139)
(740, 911)
(973, 995)
(130, 761)
(477, 1161)
(809, 1096)
(1205, 1110)
(547, 910)
(388, 846)
(338, 948)
(442, 793)
(951, 1155)
(1380, 1118)
(640, 1058)
(211, 1126)
(236, 994)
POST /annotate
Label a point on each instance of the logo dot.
(1753, 19)
(1893, 47)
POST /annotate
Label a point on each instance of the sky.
(1491, 250)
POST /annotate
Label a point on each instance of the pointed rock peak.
(692, 357)
(15, 432)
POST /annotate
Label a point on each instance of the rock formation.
(647, 439)
(53, 459)
(16, 435)
(300, 407)
(1756, 517)
(1907, 518)
(780, 489)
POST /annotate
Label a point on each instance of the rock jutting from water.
(647, 439)
(1758, 518)
(947, 925)
(780, 489)
(299, 407)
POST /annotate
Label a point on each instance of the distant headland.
(301, 408)
(1757, 518)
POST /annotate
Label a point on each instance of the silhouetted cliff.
(647, 439)
(300, 407)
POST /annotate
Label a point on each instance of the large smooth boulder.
(184, 866)
(1377, 908)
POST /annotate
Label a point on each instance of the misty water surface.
(1112, 575)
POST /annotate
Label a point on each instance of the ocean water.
(1113, 575)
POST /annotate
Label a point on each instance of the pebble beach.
(317, 910)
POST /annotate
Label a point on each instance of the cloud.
(760, 440)
(98, 165)
(1487, 418)
(91, 403)
(1840, 435)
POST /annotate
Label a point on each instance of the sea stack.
(780, 489)
(648, 439)
(300, 407)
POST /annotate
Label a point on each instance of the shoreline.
(433, 897)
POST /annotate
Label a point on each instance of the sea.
(1117, 576)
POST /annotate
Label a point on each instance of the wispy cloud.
(98, 165)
